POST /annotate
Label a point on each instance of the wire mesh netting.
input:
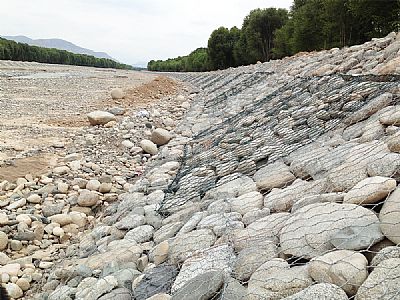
(281, 183)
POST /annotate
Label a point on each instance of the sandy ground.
(42, 106)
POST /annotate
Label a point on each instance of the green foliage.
(275, 33)
(197, 61)
(258, 33)
(10, 50)
(220, 47)
(324, 24)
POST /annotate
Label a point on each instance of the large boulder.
(261, 230)
(390, 216)
(317, 228)
(218, 258)
(184, 245)
(370, 190)
(383, 282)
(275, 279)
(275, 175)
(203, 287)
(250, 259)
(321, 291)
(279, 200)
(344, 268)
(155, 281)
(99, 117)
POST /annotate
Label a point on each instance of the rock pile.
(280, 182)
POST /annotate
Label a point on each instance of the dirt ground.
(42, 106)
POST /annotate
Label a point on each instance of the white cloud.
(129, 30)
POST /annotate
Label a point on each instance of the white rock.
(275, 280)
(62, 187)
(11, 269)
(127, 144)
(93, 185)
(160, 136)
(370, 190)
(23, 283)
(100, 117)
(117, 93)
(261, 230)
(14, 291)
(279, 200)
(344, 268)
(317, 228)
(34, 198)
(58, 231)
(24, 218)
(61, 170)
(62, 219)
(275, 175)
(247, 202)
(3, 219)
(149, 147)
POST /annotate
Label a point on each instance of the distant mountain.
(58, 44)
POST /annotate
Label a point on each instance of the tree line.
(272, 33)
(11, 50)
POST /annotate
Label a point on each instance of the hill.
(58, 44)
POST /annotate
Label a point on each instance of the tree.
(258, 33)
(220, 47)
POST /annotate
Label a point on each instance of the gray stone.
(233, 290)
(155, 281)
(247, 202)
(233, 188)
(100, 117)
(370, 108)
(167, 231)
(149, 147)
(275, 175)
(184, 245)
(14, 291)
(321, 291)
(386, 253)
(3, 240)
(87, 198)
(276, 280)
(130, 221)
(140, 234)
(218, 258)
(383, 282)
(202, 287)
(160, 136)
(51, 209)
(311, 230)
(249, 259)
(261, 230)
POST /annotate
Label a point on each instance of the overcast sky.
(131, 31)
